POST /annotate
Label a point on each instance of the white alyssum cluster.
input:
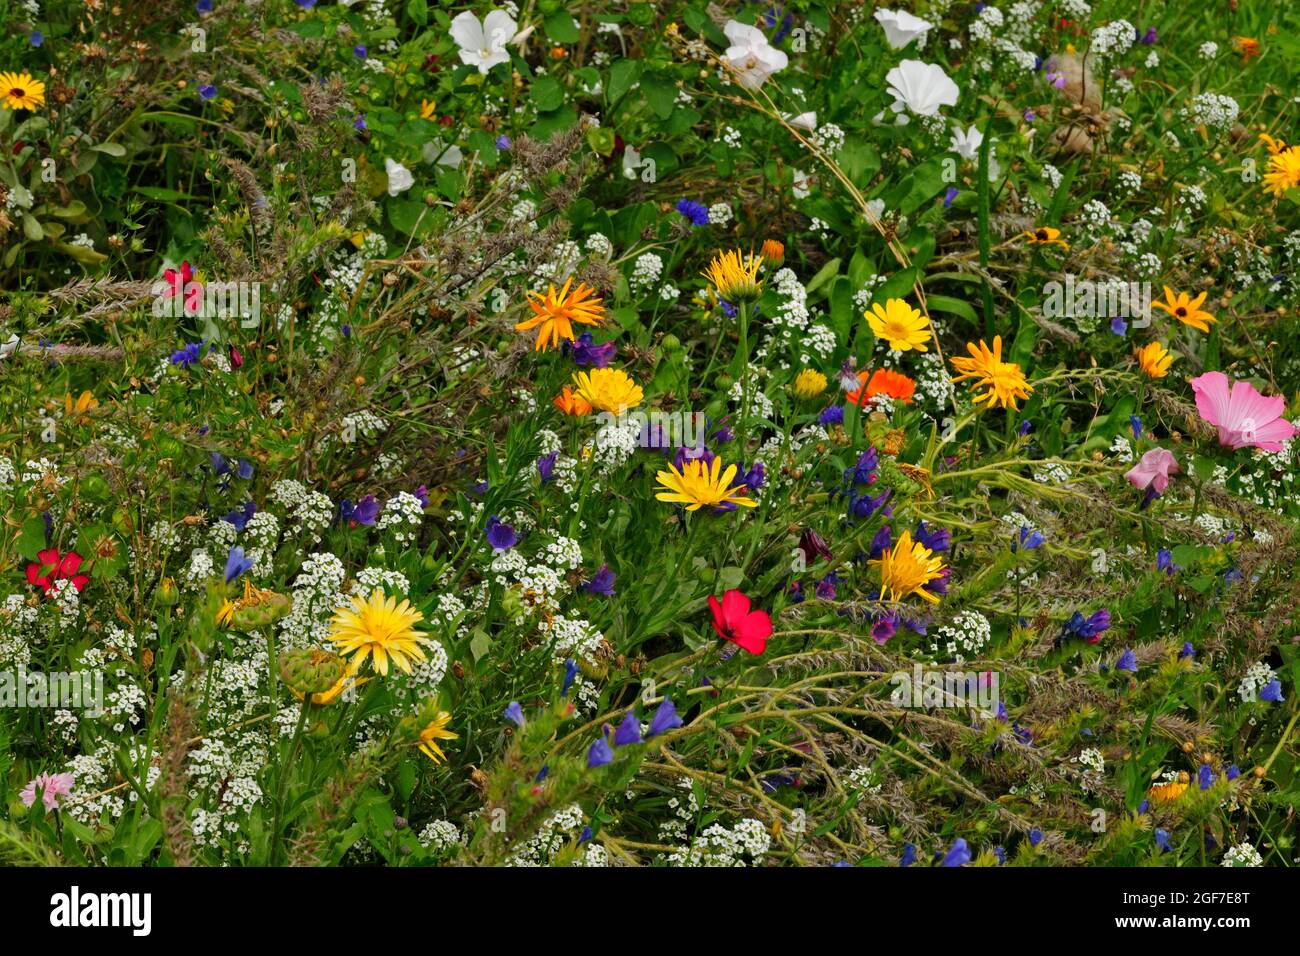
(1258, 676)
(1212, 109)
(720, 846)
(967, 633)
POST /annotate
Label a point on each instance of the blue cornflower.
(696, 212)
(236, 563)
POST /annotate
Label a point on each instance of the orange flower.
(554, 313)
(773, 253)
(883, 381)
(572, 404)
(1248, 47)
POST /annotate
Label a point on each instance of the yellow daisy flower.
(1186, 309)
(734, 276)
(20, 91)
(1005, 381)
(430, 735)
(699, 484)
(381, 628)
(907, 568)
(809, 383)
(902, 326)
(608, 389)
(554, 313)
(1154, 359)
(1283, 172)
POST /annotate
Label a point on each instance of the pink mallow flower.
(1154, 469)
(1242, 416)
(50, 786)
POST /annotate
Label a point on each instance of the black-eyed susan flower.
(809, 383)
(1283, 171)
(734, 276)
(1154, 359)
(608, 389)
(902, 326)
(555, 312)
(381, 628)
(907, 568)
(1005, 381)
(1186, 309)
(20, 91)
(703, 484)
(434, 731)
(1046, 236)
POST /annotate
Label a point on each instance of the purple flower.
(503, 142)
(1127, 661)
(570, 672)
(959, 855)
(501, 536)
(697, 213)
(36, 38)
(599, 754)
(1165, 561)
(1035, 836)
(1029, 540)
(949, 196)
(1025, 428)
(218, 462)
(883, 539)
(363, 512)
(1150, 37)
(586, 352)
(885, 627)
(305, 4)
(602, 582)
(203, 6)
(515, 713)
(236, 563)
(831, 415)
(359, 51)
(421, 495)
(665, 718)
(1272, 692)
(1135, 423)
(1205, 777)
(1187, 651)
(1162, 839)
(864, 472)
(241, 518)
(909, 855)
(629, 731)
(546, 466)
(359, 123)
(937, 540)
(188, 354)
(864, 506)
(245, 469)
(1233, 772)
(1118, 327)
(1030, 116)
(207, 92)
(825, 589)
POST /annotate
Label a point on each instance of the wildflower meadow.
(649, 434)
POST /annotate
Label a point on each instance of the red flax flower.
(52, 567)
(735, 622)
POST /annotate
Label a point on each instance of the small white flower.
(399, 177)
(484, 44)
(806, 121)
(920, 88)
(966, 143)
(751, 56)
(901, 28)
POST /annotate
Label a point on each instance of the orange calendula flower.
(20, 91)
(1046, 236)
(1186, 309)
(428, 110)
(883, 381)
(1248, 47)
(1283, 172)
(1005, 381)
(554, 313)
(1154, 359)
(773, 253)
(700, 484)
(84, 403)
(571, 403)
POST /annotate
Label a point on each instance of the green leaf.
(32, 228)
(112, 149)
(622, 74)
(661, 94)
(824, 275)
(561, 28)
(418, 10)
(943, 303)
(547, 94)
(479, 644)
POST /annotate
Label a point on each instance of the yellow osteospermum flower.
(608, 389)
(436, 731)
(809, 383)
(1004, 380)
(1154, 359)
(379, 627)
(699, 484)
(20, 91)
(1283, 171)
(1186, 309)
(1046, 236)
(907, 568)
(734, 276)
(554, 313)
(902, 326)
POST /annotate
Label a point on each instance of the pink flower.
(1154, 469)
(51, 786)
(1243, 417)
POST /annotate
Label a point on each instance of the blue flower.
(959, 855)
(1136, 424)
(586, 352)
(1118, 327)
(602, 582)
(949, 196)
(697, 213)
(937, 540)
(1205, 777)
(245, 469)
(629, 731)
(1162, 839)
(909, 855)
(1165, 561)
(599, 754)
(515, 713)
(358, 124)
(207, 92)
(236, 563)
(359, 51)
(1025, 428)
(546, 466)
(241, 518)
(881, 542)
(831, 415)
(570, 672)
(503, 142)
(1187, 651)
(1233, 772)
(501, 536)
(1127, 661)
(665, 719)
(203, 6)
(1272, 692)
(1029, 540)
(1035, 836)
(188, 354)
(36, 38)
(305, 4)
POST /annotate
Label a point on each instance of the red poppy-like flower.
(55, 567)
(178, 280)
(735, 622)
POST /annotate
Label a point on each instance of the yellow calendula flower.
(809, 383)
(700, 484)
(380, 628)
(1186, 309)
(1154, 359)
(734, 276)
(1046, 236)
(1004, 381)
(83, 403)
(435, 731)
(907, 568)
(1283, 171)
(902, 326)
(608, 389)
(1169, 791)
(428, 110)
(555, 312)
(20, 91)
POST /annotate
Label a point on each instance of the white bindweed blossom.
(966, 142)
(399, 177)
(920, 88)
(806, 121)
(751, 56)
(484, 44)
(901, 28)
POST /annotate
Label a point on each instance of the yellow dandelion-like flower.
(1186, 309)
(1046, 236)
(20, 91)
(1154, 359)
(430, 735)
(81, 405)
(1169, 791)
(608, 389)
(902, 326)
(554, 313)
(701, 484)
(907, 568)
(1283, 171)
(809, 383)
(1005, 381)
(1275, 146)
(380, 628)
(428, 110)
(734, 276)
